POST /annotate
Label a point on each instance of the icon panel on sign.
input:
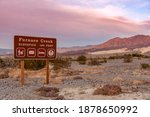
(41, 52)
(31, 52)
(50, 52)
(20, 52)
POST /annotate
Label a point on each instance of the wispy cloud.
(69, 21)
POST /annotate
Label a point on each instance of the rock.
(108, 90)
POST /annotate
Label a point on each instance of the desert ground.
(80, 82)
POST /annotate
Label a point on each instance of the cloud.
(66, 22)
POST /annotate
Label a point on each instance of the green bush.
(145, 66)
(59, 63)
(82, 59)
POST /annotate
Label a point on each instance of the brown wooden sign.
(26, 47)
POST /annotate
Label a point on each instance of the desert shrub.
(103, 60)
(59, 63)
(108, 90)
(82, 59)
(145, 66)
(127, 58)
(4, 74)
(137, 55)
(34, 64)
(9, 62)
(115, 57)
(94, 61)
(48, 91)
(111, 57)
(2, 64)
(1, 60)
(77, 78)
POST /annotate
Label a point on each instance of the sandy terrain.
(123, 50)
(134, 81)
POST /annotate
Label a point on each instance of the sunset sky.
(73, 22)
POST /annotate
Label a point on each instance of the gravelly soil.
(134, 81)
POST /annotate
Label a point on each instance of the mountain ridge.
(130, 43)
(133, 42)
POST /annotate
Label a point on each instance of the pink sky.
(71, 24)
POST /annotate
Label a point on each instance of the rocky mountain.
(133, 42)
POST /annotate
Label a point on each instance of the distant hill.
(5, 51)
(118, 44)
(133, 42)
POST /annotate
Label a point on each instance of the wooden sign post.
(22, 74)
(34, 48)
(47, 71)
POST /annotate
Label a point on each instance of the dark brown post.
(22, 74)
(47, 71)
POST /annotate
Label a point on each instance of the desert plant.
(59, 63)
(137, 55)
(77, 78)
(127, 58)
(9, 62)
(82, 59)
(108, 90)
(34, 64)
(2, 64)
(103, 60)
(116, 57)
(145, 66)
(94, 61)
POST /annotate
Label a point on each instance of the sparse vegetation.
(137, 55)
(128, 58)
(103, 60)
(2, 64)
(82, 59)
(94, 61)
(8, 62)
(4, 74)
(34, 64)
(77, 78)
(108, 90)
(59, 63)
(145, 66)
(48, 91)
